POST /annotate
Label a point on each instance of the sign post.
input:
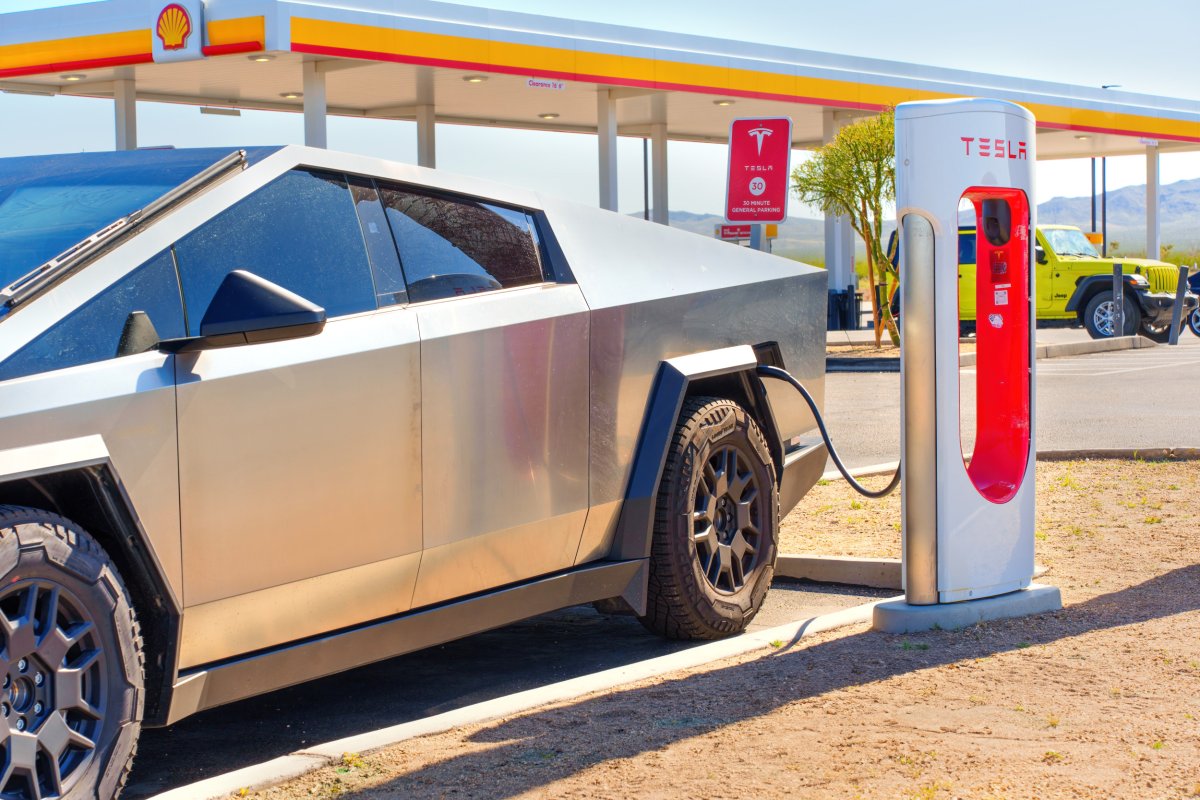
(756, 192)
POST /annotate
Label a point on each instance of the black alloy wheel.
(70, 661)
(728, 519)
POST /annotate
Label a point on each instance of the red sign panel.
(734, 232)
(760, 153)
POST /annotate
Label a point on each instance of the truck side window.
(452, 246)
(300, 231)
(93, 332)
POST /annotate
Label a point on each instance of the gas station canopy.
(384, 59)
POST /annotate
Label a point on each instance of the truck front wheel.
(70, 655)
(715, 525)
(1098, 316)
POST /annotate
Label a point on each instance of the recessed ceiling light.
(73, 78)
(292, 95)
(548, 116)
(475, 78)
(261, 57)
(722, 103)
(1082, 137)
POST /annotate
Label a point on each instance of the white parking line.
(1107, 364)
(1116, 363)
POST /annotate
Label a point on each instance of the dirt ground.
(1099, 700)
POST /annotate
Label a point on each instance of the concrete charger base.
(897, 616)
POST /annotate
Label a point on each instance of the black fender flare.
(734, 368)
(77, 479)
(1093, 285)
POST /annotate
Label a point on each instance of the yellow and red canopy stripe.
(77, 53)
(241, 35)
(352, 40)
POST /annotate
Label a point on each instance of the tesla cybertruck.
(274, 413)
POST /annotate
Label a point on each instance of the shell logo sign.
(174, 27)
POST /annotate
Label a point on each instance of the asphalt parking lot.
(1121, 399)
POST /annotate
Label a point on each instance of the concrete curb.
(1124, 453)
(878, 573)
(310, 759)
(1131, 454)
(892, 363)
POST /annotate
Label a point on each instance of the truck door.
(1049, 276)
(505, 393)
(966, 274)
(299, 460)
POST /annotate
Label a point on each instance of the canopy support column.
(839, 236)
(315, 107)
(125, 108)
(426, 119)
(660, 206)
(1153, 237)
(606, 131)
(426, 137)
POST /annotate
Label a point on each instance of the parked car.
(272, 414)
(1075, 283)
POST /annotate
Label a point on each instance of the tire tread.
(673, 602)
(18, 520)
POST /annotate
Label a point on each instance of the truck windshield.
(48, 203)
(1069, 242)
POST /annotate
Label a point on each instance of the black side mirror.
(1039, 253)
(248, 309)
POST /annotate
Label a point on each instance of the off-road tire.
(1193, 322)
(1093, 313)
(69, 642)
(683, 600)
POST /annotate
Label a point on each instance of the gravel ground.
(1099, 700)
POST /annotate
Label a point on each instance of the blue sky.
(1069, 41)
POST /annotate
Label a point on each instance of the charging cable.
(786, 377)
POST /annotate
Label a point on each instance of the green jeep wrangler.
(1075, 283)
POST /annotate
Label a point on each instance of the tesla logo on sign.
(760, 152)
(174, 27)
(758, 134)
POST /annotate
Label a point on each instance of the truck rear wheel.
(71, 704)
(1098, 316)
(715, 526)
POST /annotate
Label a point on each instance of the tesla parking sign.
(760, 153)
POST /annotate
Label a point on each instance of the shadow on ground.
(537, 652)
(540, 748)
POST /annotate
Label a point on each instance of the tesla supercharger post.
(968, 522)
